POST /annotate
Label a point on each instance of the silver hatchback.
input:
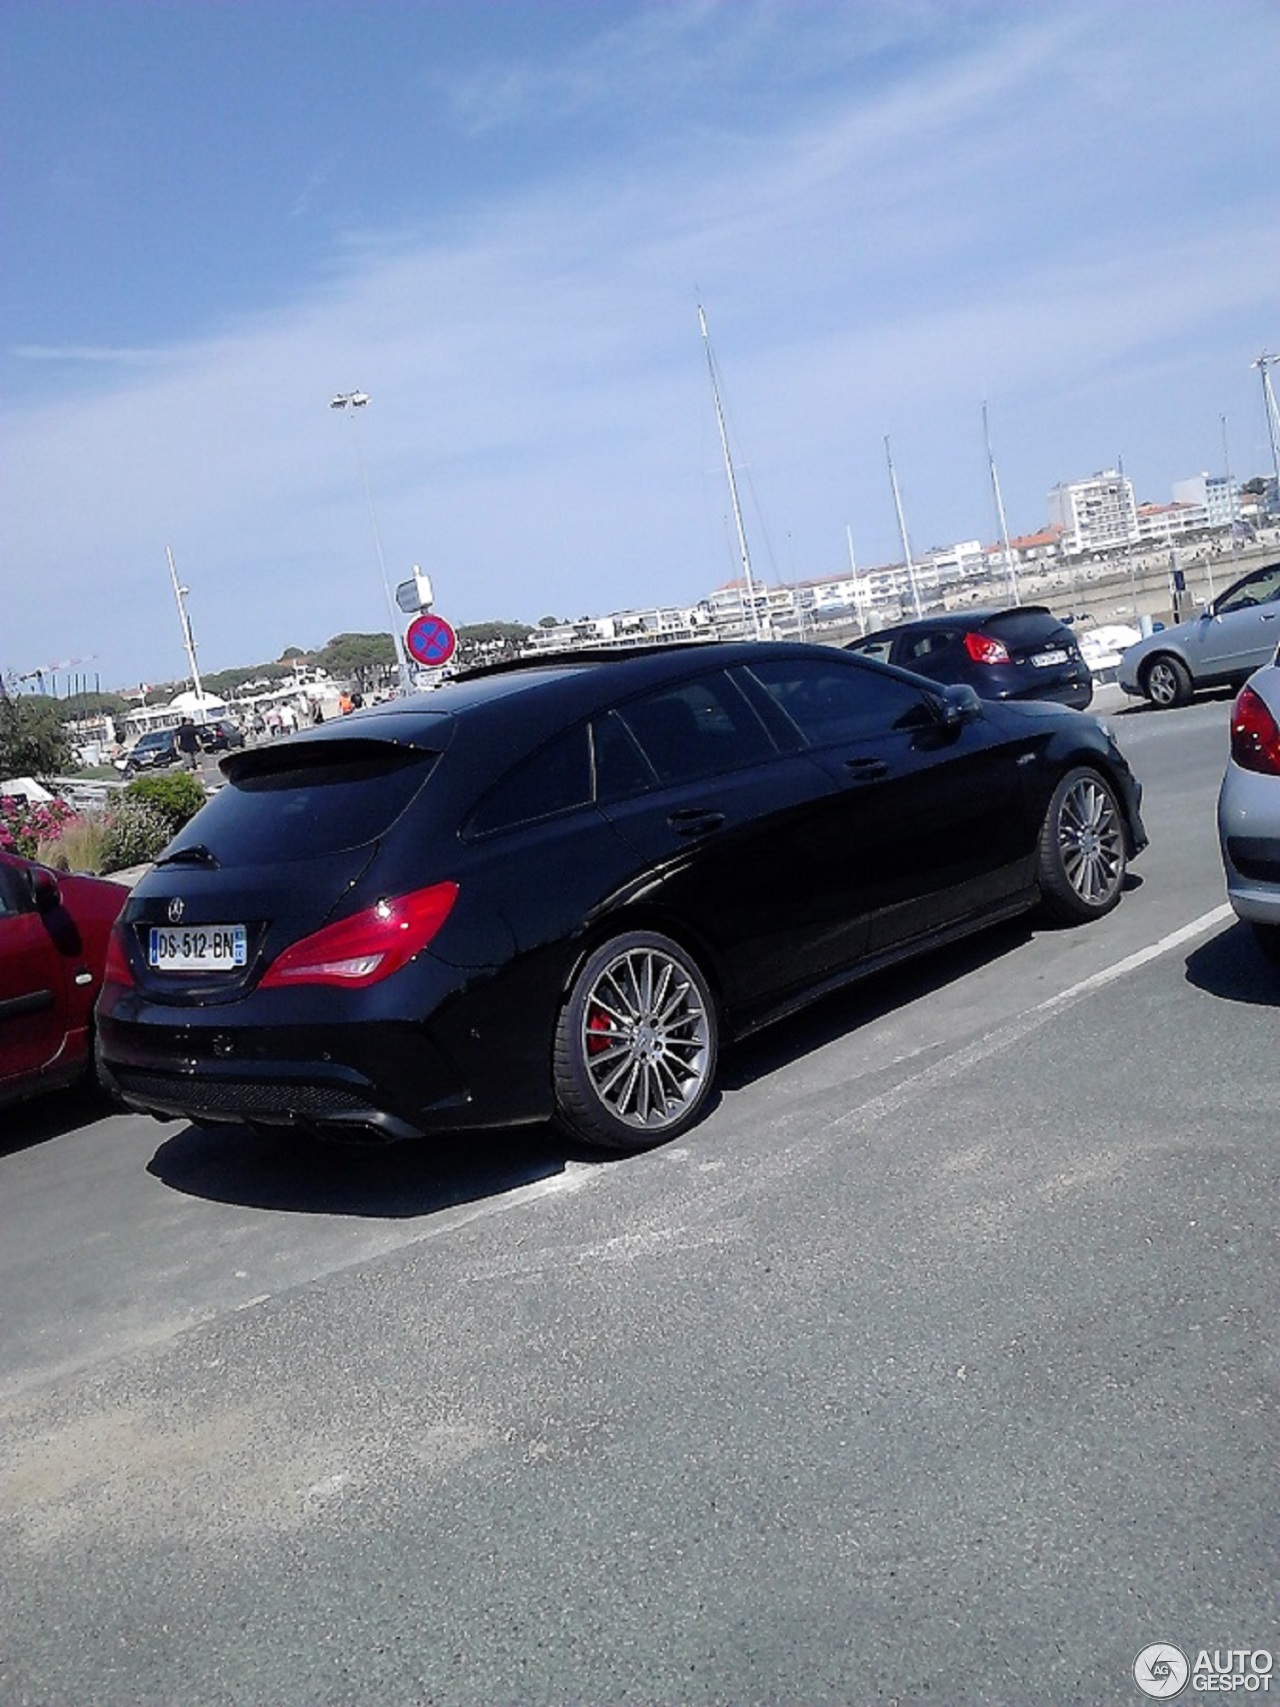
(1235, 634)
(1249, 807)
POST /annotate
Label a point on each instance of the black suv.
(1015, 652)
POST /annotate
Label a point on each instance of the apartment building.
(1158, 522)
(1216, 495)
(1097, 514)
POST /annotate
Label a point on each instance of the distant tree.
(226, 684)
(292, 652)
(360, 658)
(1257, 486)
(89, 704)
(549, 621)
(486, 633)
(33, 741)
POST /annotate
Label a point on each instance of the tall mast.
(1264, 364)
(180, 594)
(1004, 526)
(743, 551)
(902, 530)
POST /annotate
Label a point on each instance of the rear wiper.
(194, 854)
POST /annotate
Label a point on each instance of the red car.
(53, 944)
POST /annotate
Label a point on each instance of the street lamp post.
(354, 402)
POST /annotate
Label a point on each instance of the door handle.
(866, 770)
(695, 821)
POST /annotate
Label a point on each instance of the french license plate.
(198, 948)
(1043, 660)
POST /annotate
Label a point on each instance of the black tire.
(1082, 856)
(636, 1044)
(1166, 681)
(1267, 938)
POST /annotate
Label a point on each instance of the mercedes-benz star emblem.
(176, 909)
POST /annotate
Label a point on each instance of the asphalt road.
(937, 1365)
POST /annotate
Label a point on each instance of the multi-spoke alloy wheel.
(1082, 848)
(636, 1044)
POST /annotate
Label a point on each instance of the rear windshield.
(1020, 629)
(317, 800)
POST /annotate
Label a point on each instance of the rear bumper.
(370, 1082)
(1249, 839)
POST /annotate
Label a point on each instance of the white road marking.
(1012, 1031)
(1131, 962)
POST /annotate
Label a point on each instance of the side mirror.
(45, 891)
(959, 705)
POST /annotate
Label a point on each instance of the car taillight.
(117, 969)
(985, 649)
(1255, 734)
(369, 945)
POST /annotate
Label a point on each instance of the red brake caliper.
(599, 1030)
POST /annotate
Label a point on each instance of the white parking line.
(1014, 1030)
(1131, 962)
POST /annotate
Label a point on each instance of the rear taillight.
(985, 649)
(117, 969)
(1255, 735)
(369, 945)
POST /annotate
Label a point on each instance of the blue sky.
(498, 220)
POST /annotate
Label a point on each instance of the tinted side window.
(873, 647)
(554, 779)
(837, 702)
(621, 769)
(916, 647)
(696, 729)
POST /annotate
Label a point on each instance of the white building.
(1158, 522)
(1217, 496)
(1097, 514)
(200, 708)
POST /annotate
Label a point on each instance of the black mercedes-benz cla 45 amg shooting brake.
(551, 889)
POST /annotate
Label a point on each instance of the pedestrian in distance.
(188, 742)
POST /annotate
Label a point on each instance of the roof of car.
(968, 618)
(554, 691)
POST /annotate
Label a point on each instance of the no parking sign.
(430, 640)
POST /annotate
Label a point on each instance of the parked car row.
(554, 889)
(159, 748)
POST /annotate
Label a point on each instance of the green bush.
(135, 832)
(175, 796)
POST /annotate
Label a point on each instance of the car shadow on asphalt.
(867, 1000)
(1232, 965)
(396, 1181)
(53, 1115)
(1144, 707)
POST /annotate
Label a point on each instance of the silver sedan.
(1235, 634)
(1249, 807)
